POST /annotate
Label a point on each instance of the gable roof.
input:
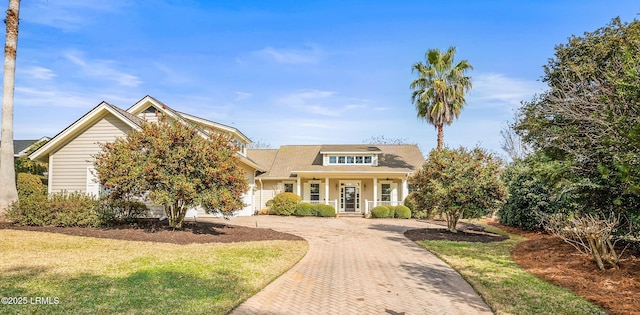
(290, 160)
(86, 120)
(22, 147)
(130, 118)
(147, 101)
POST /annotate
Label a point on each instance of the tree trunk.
(440, 136)
(452, 222)
(8, 191)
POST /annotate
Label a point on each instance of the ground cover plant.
(88, 275)
(503, 284)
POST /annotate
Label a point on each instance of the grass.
(502, 283)
(103, 276)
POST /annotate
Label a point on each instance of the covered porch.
(351, 193)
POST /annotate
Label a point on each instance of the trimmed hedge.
(380, 212)
(392, 212)
(59, 209)
(284, 203)
(111, 211)
(402, 212)
(323, 210)
(304, 209)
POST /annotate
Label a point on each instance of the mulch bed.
(460, 236)
(550, 258)
(159, 231)
(466, 233)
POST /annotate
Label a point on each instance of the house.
(23, 147)
(70, 153)
(352, 178)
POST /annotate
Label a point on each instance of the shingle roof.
(349, 148)
(292, 159)
(21, 145)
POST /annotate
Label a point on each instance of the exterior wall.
(270, 188)
(69, 165)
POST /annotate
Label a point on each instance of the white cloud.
(102, 69)
(498, 90)
(311, 55)
(67, 15)
(37, 72)
(52, 98)
(325, 103)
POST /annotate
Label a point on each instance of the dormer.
(364, 155)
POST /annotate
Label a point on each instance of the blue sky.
(290, 72)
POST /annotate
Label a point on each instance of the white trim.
(50, 174)
(89, 117)
(92, 187)
(358, 196)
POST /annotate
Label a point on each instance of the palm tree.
(440, 88)
(8, 192)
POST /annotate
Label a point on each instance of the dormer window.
(352, 159)
(350, 155)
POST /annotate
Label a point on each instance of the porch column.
(326, 190)
(298, 187)
(405, 189)
(375, 192)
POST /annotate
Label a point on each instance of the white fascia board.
(217, 126)
(351, 153)
(71, 130)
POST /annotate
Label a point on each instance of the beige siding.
(269, 190)
(69, 170)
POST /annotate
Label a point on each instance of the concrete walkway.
(360, 266)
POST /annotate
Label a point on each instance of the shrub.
(409, 202)
(73, 209)
(392, 211)
(323, 210)
(110, 211)
(380, 212)
(529, 199)
(29, 184)
(304, 209)
(30, 210)
(459, 183)
(403, 212)
(59, 209)
(285, 203)
(416, 212)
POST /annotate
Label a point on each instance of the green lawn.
(502, 283)
(103, 276)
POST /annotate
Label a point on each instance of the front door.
(349, 199)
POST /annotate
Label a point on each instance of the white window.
(288, 187)
(314, 192)
(385, 193)
(351, 159)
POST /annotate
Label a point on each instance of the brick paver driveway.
(360, 266)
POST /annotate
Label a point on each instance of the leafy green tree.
(588, 122)
(439, 91)
(459, 183)
(176, 165)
